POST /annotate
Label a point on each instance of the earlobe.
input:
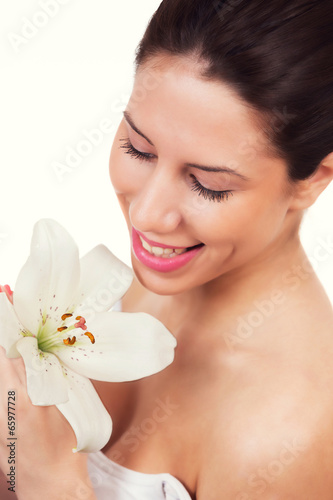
(328, 162)
(307, 191)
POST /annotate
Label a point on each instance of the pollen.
(91, 337)
(70, 341)
(62, 328)
(65, 316)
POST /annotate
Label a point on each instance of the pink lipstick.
(161, 264)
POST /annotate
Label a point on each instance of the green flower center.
(47, 341)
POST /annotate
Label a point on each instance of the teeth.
(157, 251)
(145, 245)
(162, 252)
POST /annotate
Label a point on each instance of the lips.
(162, 258)
(155, 244)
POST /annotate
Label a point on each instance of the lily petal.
(10, 327)
(86, 414)
(128, 346)
(46, 382)
(48, 281)
(104, 280)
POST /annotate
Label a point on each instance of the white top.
(112, 481)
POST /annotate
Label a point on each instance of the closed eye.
(134, 153)
(208, 194)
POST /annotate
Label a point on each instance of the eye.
(209, 194)
(134, 153)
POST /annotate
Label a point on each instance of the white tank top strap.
(112, 481)
(117, 306)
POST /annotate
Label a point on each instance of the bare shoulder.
(286, 466)
(273, 436)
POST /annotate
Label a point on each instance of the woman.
(225, 141)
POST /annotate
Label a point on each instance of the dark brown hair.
(276, 54)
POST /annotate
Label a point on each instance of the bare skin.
(242, 407)
(250, 391)
(245, 410)
(43, 449)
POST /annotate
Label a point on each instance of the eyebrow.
(129, 120)
(226, 170)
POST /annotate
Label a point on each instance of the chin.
(160, 283)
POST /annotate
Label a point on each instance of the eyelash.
(134, 153)
(196, 186)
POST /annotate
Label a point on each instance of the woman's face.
(190, 169)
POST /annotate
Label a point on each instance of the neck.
(281, 269)
(256, 277)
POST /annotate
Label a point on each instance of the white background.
(73, 73)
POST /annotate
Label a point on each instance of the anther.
(65, 316)
(91, 337)
(62, 328)
(69, 341)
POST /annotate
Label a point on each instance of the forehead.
(192, 119)
(170, 97)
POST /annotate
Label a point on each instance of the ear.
(306, 192)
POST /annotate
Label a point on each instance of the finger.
(12, 370)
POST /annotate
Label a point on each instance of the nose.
(155, 207)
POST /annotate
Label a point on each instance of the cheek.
(127, 174)
(242, 223)
(121, 173)
(116, 169)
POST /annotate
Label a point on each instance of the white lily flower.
(59, 325)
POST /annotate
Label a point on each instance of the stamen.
(78, 318)
(91, 337)
(65, 316)
(62, 328)
(70, 341)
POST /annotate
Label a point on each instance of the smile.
(160, 258)
(165, 252)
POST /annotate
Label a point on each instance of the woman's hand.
(36, 443)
